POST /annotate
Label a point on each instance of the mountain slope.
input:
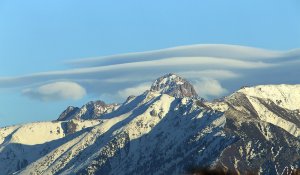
(165, 130)
(91, 110)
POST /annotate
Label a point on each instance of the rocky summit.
(166, 130)
(174, 86)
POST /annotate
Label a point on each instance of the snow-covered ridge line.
(163, 130)
(284, 95)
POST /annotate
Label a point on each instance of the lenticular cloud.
(228, 67)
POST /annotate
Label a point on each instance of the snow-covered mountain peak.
(165, 130)
(173, 85)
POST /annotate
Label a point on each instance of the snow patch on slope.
(286, 96)
(266, 115)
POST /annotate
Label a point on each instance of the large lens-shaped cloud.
(217, 70)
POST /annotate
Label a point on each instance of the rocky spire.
(174, 85)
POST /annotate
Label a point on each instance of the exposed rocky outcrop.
(174, 85)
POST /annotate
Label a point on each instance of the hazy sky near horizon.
(45, 36)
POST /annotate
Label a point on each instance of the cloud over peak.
(217, 69)
(207, 88)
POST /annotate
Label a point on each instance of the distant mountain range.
(168, 129)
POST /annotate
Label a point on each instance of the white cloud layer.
(56, 91)
(214, 74)
(216, 69)
(207, 88)
(198, 50)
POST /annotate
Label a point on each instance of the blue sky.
(41, 36)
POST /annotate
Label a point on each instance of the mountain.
(91, 110)
(166, 130)
(173, 85)
(170, 84)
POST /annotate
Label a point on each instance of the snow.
(219, 106)
(173, 85)
(40, 132)
(270, 117)
(137, 122)
(37, 133)
(6, 131)
(151, 130)
(286, 96)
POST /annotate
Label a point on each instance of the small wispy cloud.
(56, 91)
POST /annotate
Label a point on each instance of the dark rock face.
(68, 113)
(174, 85)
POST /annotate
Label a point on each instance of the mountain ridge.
(159, 133)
